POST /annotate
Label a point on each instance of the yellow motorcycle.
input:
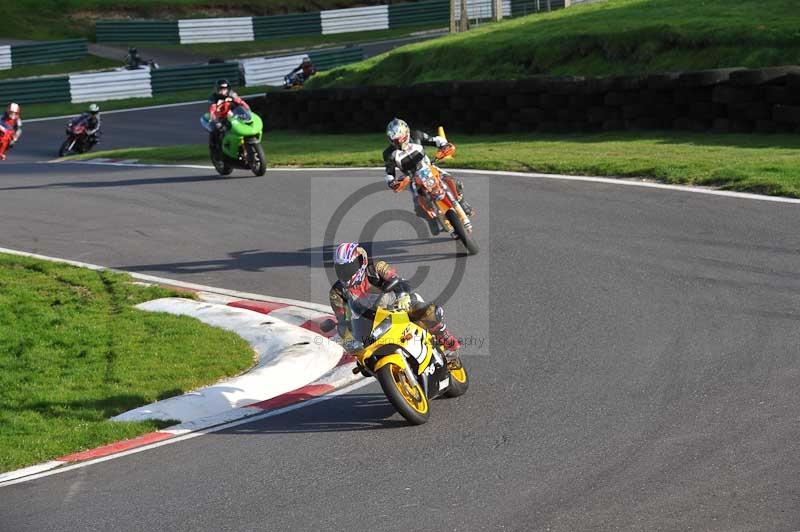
(406, 360)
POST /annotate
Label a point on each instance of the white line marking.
(26, 471)
(257, 417)
(531, 175)
(632, 183)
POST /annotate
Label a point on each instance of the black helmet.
(222, 84)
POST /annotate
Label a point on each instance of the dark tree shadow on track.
(345, 413)
(253, 260)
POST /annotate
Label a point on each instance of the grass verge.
(44, 110)
(74, 351)
(612, 37)
(91, 62)
(765, 164)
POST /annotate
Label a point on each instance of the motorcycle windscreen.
(362, 313)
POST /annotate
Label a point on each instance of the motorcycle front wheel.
(407, 397)
(65, 147)
(258, 162)
(465, 236)
(220, 164)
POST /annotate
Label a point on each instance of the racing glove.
(441, 142)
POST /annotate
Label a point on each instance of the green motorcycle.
(241, 143)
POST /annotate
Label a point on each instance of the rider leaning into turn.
(405, 154)
(92, 117)
(221, 102)
(12, 119)
(307, 68)
(359, 276)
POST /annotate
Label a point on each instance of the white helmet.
(398, 133)
(13, 110)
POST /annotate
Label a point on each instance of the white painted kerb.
(282, 365)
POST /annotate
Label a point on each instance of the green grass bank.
(611, 37)
(74, 352)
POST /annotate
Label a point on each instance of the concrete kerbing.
(297, 319)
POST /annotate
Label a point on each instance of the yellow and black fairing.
(393, 338)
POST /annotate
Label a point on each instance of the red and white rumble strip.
(285, 315)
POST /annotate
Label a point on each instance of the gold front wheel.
(407, 396)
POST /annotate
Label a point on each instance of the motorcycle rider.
(133, 60)
(92, 117)
(307, 68)
(221, 102)
(360, 277)
(12, 120)
(404, 155)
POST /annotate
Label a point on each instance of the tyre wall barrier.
(37, 90)
(168, 80)
(271, 70)
(104, 86)
(137, 31)
(727, 100)
(216, 30)
(357, 19)
(44, 52)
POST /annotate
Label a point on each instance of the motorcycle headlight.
(382, 328)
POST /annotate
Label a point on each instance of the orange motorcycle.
(438, 196)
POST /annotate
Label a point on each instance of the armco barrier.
(35, 90)
(335, 57)
(419, 13)
(166, 80)
(355, 19)
(215, 30)
(117, 85)
(728, 100)
(287, 25)
(136, 31)
(49, 52)
(269, 70)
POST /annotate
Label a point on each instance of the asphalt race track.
(640, 369)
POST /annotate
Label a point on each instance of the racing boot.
(446, 341)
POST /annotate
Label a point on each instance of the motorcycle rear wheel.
(459, 379)
(465, 236)
(408, 398)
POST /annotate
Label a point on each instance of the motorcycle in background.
(241, 143)
(6, 136)
(78, 140)
(438, 196)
